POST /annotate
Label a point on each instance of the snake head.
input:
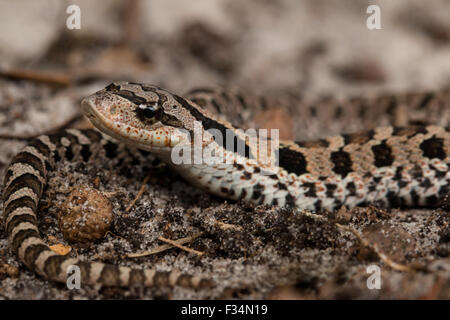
(143, 115)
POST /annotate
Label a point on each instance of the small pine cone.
(85, 216)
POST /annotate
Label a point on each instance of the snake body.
(391, 166)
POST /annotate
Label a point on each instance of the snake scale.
(392, 166)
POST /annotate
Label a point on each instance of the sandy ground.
(308, 48)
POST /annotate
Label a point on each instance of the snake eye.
(148, 111)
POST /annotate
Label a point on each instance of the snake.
(389, 166)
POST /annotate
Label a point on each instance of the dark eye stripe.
(132, 97)
(112, 87)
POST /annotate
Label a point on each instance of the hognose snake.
(388, 165)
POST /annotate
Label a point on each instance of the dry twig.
(166, 246)
(140, 192)
(226, 226)
(46, 77)
(394, 265)
(175, 244)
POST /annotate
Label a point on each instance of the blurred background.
(310, 45)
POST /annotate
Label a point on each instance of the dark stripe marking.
(30, 159)
(21, 236)
(257, 191)
(111, 149)
(331, 188)
(290, 201)
(184, 280)
(41, 147)
(52, 266)
(383, 155)
(351, 187)
(131, 96)
(93, 135)
(433, 148)
(18, 220)
(32, 252)
(311, 189)
(342, 163)
(110, 275)
(227, 133)
(292, 161)
(137, 277)
(24, 201)
(161, 278)
(26, 180)
(73, 142)
(85, 152)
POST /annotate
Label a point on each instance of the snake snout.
(100, 103)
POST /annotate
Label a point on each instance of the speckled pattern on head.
(387, 165)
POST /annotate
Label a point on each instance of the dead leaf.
(61, 249)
